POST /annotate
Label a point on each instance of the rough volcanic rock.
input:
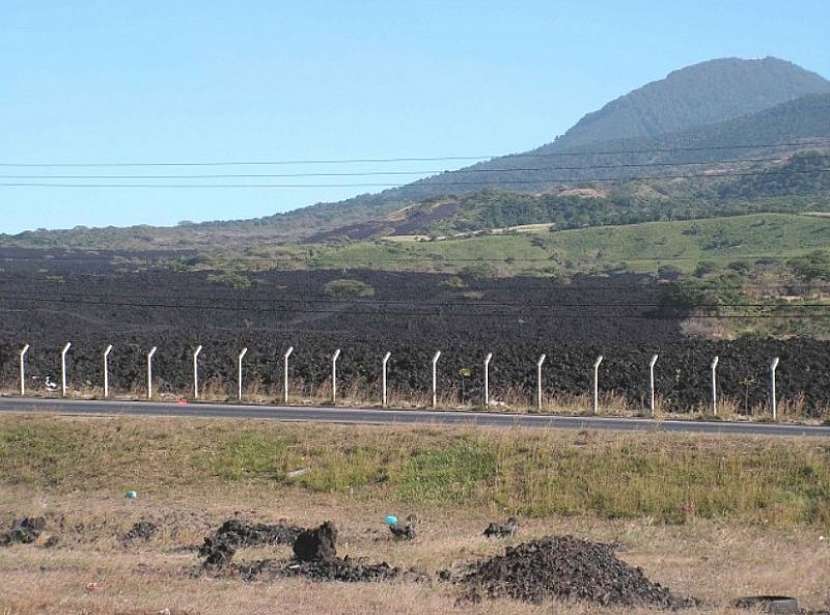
(315, 558)
(219, 548)
(336, 569)
(502, 530)
(569, 568)
(317, 545)
(572, 323)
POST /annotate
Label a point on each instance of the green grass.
(640, 247)
(686, 243)
(670, 478)
(451, 474)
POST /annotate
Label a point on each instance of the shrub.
(704, 268)
(479, 270)
(812, 266)
(739, 266)
(454, 282)
(725, 289)
(669, 272)
(345, 289)
(230, 278)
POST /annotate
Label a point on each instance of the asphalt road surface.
(355, 416)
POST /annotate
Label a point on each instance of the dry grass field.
(713, 518)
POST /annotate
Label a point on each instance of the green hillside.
(637, 247)
(690, 152)
(797, 184)
(708, 107)
(807, 173)
(800, 183)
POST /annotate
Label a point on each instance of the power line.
(547, 180)
(806, 142)
(386, 173)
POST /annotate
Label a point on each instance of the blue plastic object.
(131, 495)
(391, 520)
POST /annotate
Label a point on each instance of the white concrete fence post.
(150, 356)
(107, 371)
(487, 360)
(196, 354)
(384, 399)
(651, 402)
(334, 358)
(23, 369)
(239, 373)
(539, 364)
(435, 379)
(714, 367)
(285, 374)
(773, 397)
(596, 384)
(63, 367)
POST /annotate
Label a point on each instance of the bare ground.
(90, 571)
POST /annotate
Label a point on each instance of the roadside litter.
(405, 531)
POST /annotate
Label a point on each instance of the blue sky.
(216, 81)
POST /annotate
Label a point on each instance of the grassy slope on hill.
(796, 184)
(801, 183)
(642, 247)
(764, 108)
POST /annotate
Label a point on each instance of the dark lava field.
(93, 302)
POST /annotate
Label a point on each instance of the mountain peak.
(705, 93)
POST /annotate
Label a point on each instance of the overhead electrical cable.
(386, 173)
(812, 141)
(546, 180)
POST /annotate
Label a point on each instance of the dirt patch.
(156, 612)
(219, 548)
(585, 193)
(23, 531)
(142, 531)
(569, 568)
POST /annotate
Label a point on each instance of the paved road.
(402, 417)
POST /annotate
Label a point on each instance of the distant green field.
(638, 247)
